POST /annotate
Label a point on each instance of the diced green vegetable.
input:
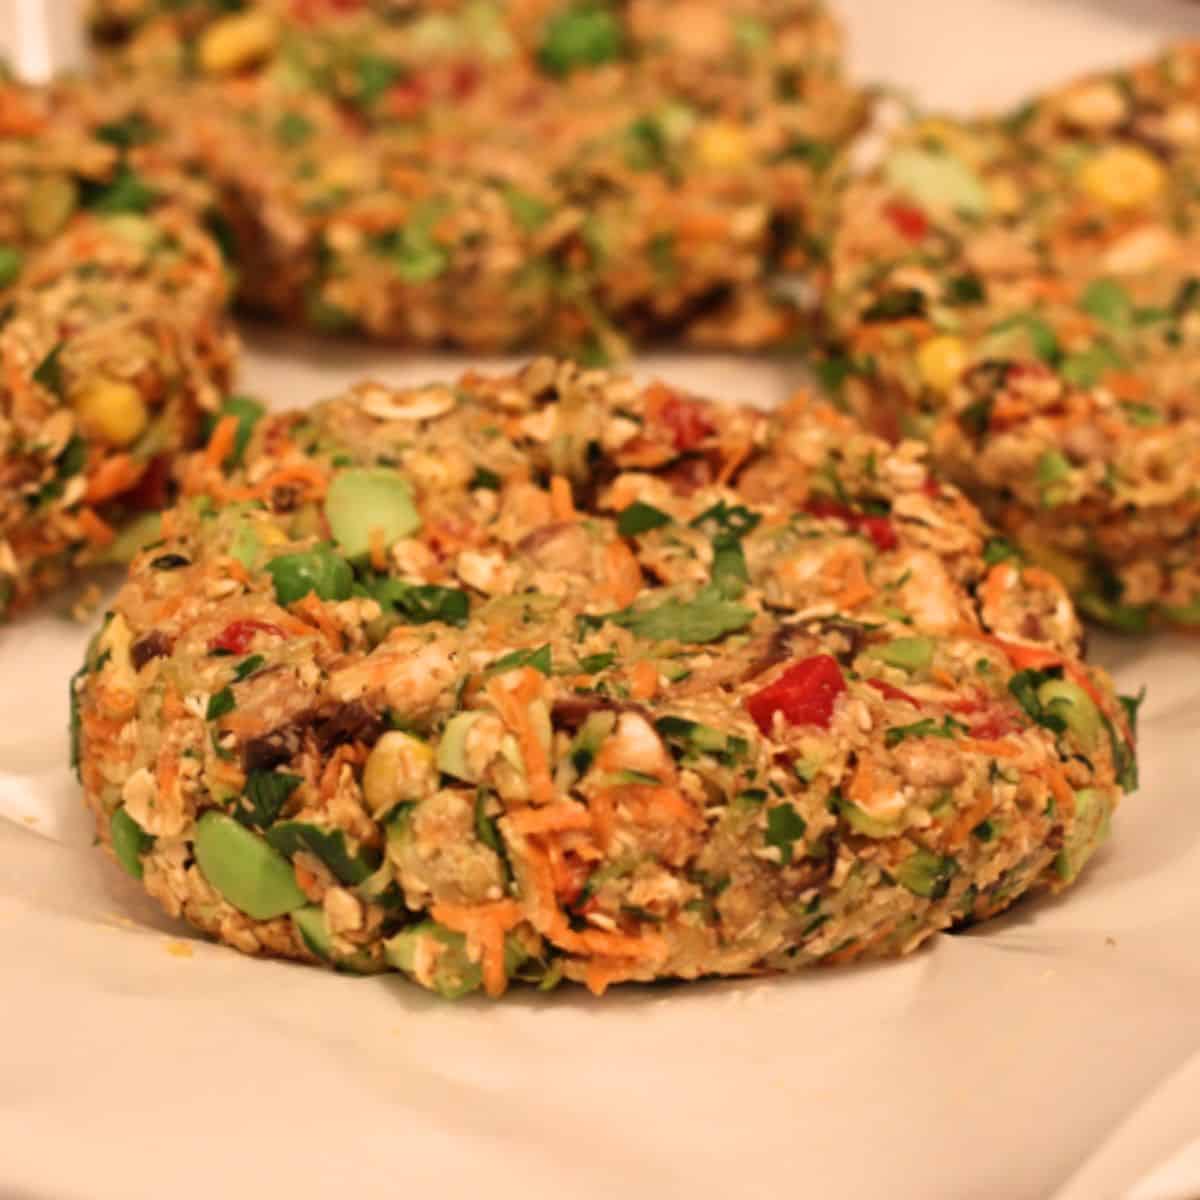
(1093, 814)
(706, 618)
(583, 34)
(1025, 686)
(937, 180)
(49, 372)
(862, 821)
(313, 927)
(420, 604)
(640, 518)
(131, 540)
(896, 305)
(319, 570)
(1075, 707)
(245, 869)
(248, 412)
(540, 659)
(909, 654)
(127, 192)
(927, 874)
(928, 727)
(220, 703)
(452, 748)
(1052, 473)
(11, 262)
(590, 738)
(785, 826)
(1108, 301)
(454, 974)
(264, 797)
(362, 500)
(293, 129)
(692, 737)
(329, 845)
(129, 841)
(528, 211)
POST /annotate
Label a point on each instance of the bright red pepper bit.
(236, 637)
(805, 694)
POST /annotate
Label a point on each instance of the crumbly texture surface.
(1023, 293)
(113, 341)
(569, 176)
(553, 675)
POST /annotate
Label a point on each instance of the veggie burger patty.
(1024, 292)
(560, 174)
(551, 676)
(113, 339)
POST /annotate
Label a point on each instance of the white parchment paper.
(1053, 1052)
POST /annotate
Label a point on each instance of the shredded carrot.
(484, 926)
(306, 881)
(961, 829)
(220, 445)
(512, 705)
(561, 501)
(995, 586)
(97, 531)
(862, 785)
(112, 477)
(378, 546)
(553, 818)
(312, 608)
(167, 771)
(622, 574)
(844, 571)
(846, 954)
(307, 474)
(172, 704)
(734, 456)
(1062, 791)
(1126, 385)
(643, 679)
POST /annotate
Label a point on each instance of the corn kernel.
(111, 410)
(1123, 177)
(237, 41)
(723, 145)
(1004, 197)
(941, 360)
(400, 768)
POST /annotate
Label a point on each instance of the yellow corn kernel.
(237, 41)
(111, 410)
(1123, 177)
(941, 360)
(1004, 197)
(723, 145)
(399, 769)
(345, 171)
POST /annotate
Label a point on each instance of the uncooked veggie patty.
(563, 175)
(552, 675)
(1025, 292)
(113, 341)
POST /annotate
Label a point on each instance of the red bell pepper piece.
(236, 637)
(805, 693)
(891, 692)
(909, 222)
(685, 420)
(878, 529)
